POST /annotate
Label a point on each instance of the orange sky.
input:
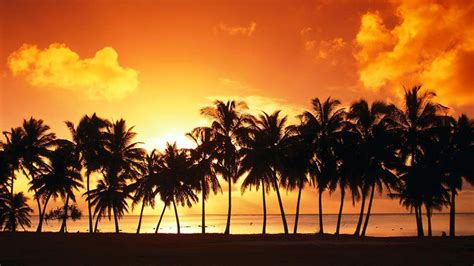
(156, 63)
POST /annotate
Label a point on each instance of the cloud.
(432, 44)
(58, 66)
(322, 49)
(236, 30)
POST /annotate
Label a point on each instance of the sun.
(159, 142)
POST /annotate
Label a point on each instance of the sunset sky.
(156, 63)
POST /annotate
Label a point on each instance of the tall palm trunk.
(89, 201)
(177, 217)
(452, 213)
(203, 225)
(117, 229)
(320, 204)
(280, 203)
(141, 215)
(417, 216)
(264, 228)
(422, 231)
(229, 210)
(96, 223)
(428, 216)
(37, 199)
(63, 224)
(361, 215)
(161, 217)
(369, 209)
(341, 206)
(419, 219)
(11, 185)
(40, 224)
(297, 214)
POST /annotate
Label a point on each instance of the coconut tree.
(456, 141)
(89, 137)
(264, 154)
(378, 151)
(415, 124)
(59, 179)
(15, 212)
(297, 164)
(145, 186)
(228, 127)
(12, 154)
(176, 184)
(122, 161)
(321, 129)
(203, 167)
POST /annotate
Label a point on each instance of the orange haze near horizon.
(156, 63)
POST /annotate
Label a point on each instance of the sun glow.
(159, 143)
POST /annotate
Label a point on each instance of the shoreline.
(26, 248)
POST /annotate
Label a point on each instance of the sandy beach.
(195, 249)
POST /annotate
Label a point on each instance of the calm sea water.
(380, 224)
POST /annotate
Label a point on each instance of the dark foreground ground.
(131, 249)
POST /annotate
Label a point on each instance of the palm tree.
(60, 178)
(145, 186)
(37, 140)
(122, 161)
(457, 141)
(321, 130)
(13, 150)
(264, 154)
(89, 137)
(204, 157)
(15, 212)
(297, 164)
(415, 124)
(176, 185)
(379, 147)
(228, 128)
(71, 212)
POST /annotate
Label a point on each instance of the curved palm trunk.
(229, 210)
(264, 228)
(428, 216)
(339, 216)
(280, 203)
(320, 204)
(40, 224)
(89, 202)
(452, 214)
(297, 214)
(361, 215)
(141, 215)
(11, 185)
(63, 224)
(96, 223)
(369, 209)
(177, 217)
(117, 229)
(159, 221)
(38, 203)
(203, 224)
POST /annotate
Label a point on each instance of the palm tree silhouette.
(228, 128)
(176, 185)
(263, 155)
(59, 179)
(13, 150)
(457, 151)
(379, 147)
(15, 211)
(145, 186)
(122, 162)
(89, 137)
(321, 130)
(71, 212)
(203, 168)
(415, 124)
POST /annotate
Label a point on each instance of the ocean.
(379, 225)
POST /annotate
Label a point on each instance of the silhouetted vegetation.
(417, 154)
